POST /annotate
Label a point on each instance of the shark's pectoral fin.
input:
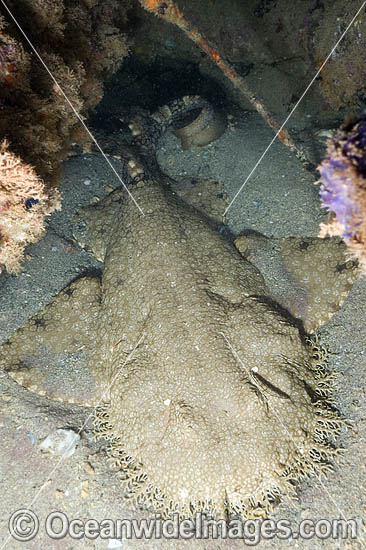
(310, 277)
(51, 354)
(94, 224)
(320, 268)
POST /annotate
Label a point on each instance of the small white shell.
(60, 442)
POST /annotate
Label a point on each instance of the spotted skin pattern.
(211, 394)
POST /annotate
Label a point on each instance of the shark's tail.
(192, 119)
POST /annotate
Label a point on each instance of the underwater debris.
(170, 12)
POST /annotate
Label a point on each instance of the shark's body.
(210, 391)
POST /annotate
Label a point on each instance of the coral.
(23, 207)
(14, 64)
(343, 187)
(81, 45)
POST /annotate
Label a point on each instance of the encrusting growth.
(343, 188)
(23, 207)
(81, 44)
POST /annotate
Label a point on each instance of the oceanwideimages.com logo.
(24, 525)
